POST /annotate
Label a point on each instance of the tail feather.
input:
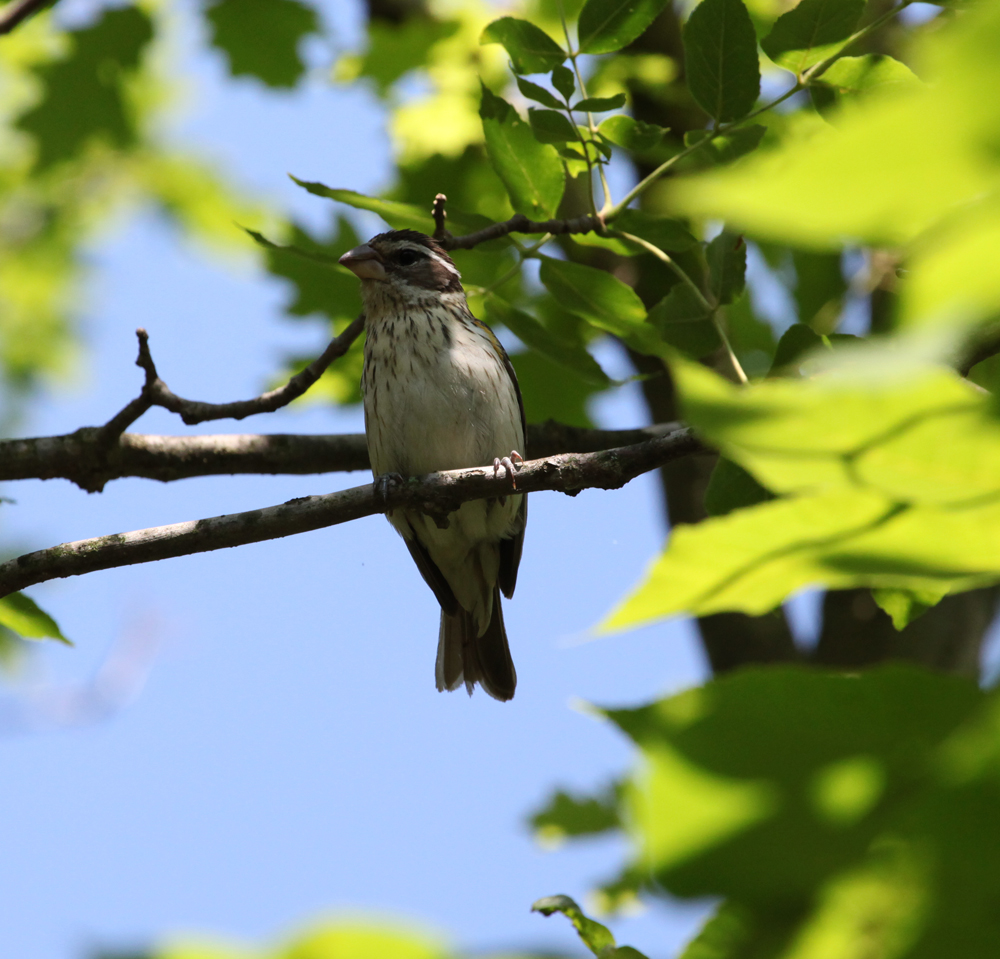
(465, 657)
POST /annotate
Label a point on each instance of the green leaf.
(394, 49)
(905, 605)
(260, 38)
(608, 25)
(633, 135)
(720, 52)
(821, 191)
(564, 81)
(569, 355)
(552, 392)
(567, 815)
(763, 762)
(601, 299)
(531, 171)
(731, 487)
(727, 266)
(601, 104)
(20, 614)
(680, 305)
(662, 231)
(531, 50)
(550, 126)
(852, 77)
(84, 94)
(539, 94)
(810, 32)
(595, 936)
(796, 343)
(819, 289)
(729, 146)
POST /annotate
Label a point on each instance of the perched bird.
(440, 393)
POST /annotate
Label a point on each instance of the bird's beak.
(364, 262)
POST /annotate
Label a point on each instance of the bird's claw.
(510, 464)
(384, 483)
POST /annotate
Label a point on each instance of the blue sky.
(288, 755)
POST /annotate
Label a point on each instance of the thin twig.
(15, 13)
(440, 215)
(157, 393)
(519, 223)
(437, 494)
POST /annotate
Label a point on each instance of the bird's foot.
(510, 464)
(384, 483)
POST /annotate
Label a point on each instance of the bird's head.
(405, 263)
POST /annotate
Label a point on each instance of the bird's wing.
(433, 577)
(510, 549)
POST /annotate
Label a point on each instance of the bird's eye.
(407, 257)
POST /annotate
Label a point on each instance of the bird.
(440, 393)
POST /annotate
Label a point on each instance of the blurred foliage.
(833, 815)
(331, 940)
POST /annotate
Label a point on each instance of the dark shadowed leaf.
(720, 51)
(602, 300)
(680, 305)
(568, 815)
(539, 94)
(83, 95)
(550, 391)
(601, 104)
(819, 289)
(795, 344)
(564, 81)
(531, 50)
(550, 126)
(727, 266)
(609, 25)
(260, 38)
(569, 355)
(662, 231)
(732, 487)
(729, 146)
(805, 34)
(531, 171)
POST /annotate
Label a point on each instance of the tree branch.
(82, 458)
(437, 494)
(15, 13)
(156, 393)
(518, 223)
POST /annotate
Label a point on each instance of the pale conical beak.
(364, 262)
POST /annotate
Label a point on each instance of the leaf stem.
(703, 302)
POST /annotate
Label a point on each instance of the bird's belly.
(444, 410)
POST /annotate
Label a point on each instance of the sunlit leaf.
(22, 615)
(806, 34)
